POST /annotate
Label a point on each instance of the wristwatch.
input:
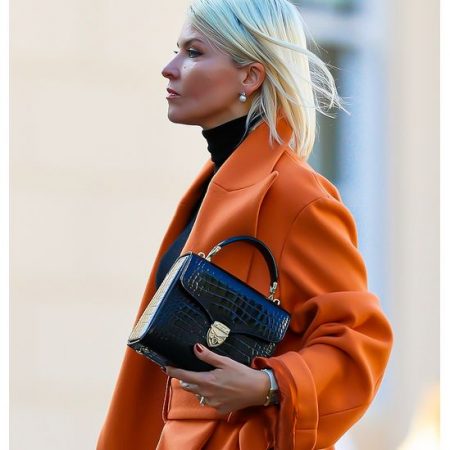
(272, 397)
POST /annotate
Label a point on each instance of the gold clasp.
(217, 334)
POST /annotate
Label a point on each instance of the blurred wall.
(96, 174)
(413, 168)
(97, 171)
(411, 153)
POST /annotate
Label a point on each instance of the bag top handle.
(264, 250)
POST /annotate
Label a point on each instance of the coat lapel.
(234, 197)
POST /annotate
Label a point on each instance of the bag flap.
(227, 299)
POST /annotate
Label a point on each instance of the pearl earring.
(243, 97)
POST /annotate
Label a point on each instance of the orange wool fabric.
(331, 362)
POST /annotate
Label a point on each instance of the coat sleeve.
(339, 338)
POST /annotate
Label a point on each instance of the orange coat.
(331, 362)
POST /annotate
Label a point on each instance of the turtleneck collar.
(225, 138)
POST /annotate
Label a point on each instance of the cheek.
(213, 82)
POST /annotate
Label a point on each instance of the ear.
(254, 75)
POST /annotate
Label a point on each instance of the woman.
(244, 74)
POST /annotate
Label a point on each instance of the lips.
(171, 91)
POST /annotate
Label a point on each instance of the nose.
(170, 70)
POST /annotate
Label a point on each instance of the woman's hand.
(229, 387)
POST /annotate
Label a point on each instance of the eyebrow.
(189, 41)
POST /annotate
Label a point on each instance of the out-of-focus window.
(332, 4)
(325, 154)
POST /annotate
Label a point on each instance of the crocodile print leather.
(200, 294)
(227, 299)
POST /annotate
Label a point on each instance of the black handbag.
(200, 302)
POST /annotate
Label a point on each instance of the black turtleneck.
(225, 138)
(222, 141)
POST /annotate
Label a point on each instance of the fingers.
(187, 375)
(210, 357)
(208, 397)
(194, 389)
(206, 355)
(189, 387)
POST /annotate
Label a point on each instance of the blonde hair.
(272, 32)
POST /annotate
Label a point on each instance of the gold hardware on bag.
(272, 290)
(217, 334)
(213, 251)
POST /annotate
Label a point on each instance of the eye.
(195, 52)
(191, 52)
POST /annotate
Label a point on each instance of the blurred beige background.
(97, 171)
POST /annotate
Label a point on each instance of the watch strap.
(272, 395)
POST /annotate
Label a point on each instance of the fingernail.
(199, 348)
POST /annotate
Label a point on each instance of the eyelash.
(189, 50)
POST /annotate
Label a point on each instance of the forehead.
(189, 34)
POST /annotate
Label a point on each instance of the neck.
(225, 138)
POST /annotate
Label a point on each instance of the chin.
(183, 119)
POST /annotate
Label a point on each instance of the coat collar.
(249, 163)
(235, 193)
(253, 159)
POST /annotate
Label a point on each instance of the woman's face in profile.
(207, 82)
